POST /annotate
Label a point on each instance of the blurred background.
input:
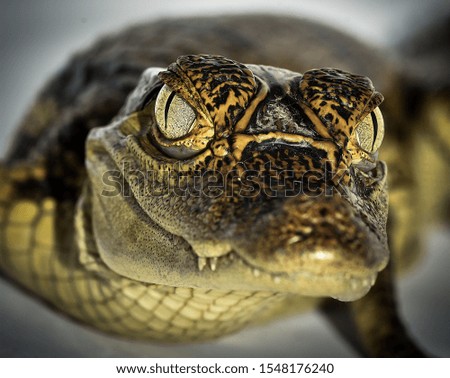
(38, 37)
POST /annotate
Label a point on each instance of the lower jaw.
(343, 287)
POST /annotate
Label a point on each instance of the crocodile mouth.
(346, 286)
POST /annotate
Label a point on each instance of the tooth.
(231, 256)
(276, 279)
(256, 272)
(213, 263)
(201, 263)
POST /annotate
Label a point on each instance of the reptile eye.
(174, 116)
(370, 131)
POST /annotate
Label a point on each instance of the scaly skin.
(193, 268)
(194, 302)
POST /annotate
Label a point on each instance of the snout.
(333, 225)
(324, 238)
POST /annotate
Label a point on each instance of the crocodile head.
(243, 177)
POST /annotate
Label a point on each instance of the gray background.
(37, 37)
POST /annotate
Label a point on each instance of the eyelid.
(149, 97)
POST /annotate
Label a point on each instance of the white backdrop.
(37, 38)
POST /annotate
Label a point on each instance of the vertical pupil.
(166, 109)
(375, 127)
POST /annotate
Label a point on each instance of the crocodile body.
(177, 266)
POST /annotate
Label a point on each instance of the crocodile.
(183, 179)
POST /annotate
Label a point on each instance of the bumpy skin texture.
(184, 267)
